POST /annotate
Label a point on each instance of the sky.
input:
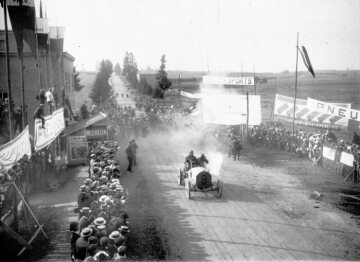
(214, 35)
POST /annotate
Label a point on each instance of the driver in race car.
(202, 160)
(191, 160)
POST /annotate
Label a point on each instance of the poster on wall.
(78, 149)
(329, 153)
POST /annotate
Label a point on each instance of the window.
(3, 95)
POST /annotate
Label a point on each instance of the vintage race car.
(198, 178)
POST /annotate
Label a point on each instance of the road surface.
(267, 212)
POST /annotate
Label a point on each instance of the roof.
(85, 123)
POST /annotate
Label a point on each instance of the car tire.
(219, 189)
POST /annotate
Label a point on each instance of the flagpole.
(254, 81)
(295, 91)
(37, 56)
(8, 70)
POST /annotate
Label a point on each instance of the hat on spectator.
(103, 199)
(87, 181)
(112, 186)
(115, 180)
(114, 235)
(124, 229)
(86, 232)
(102, 178)
(101, 256)
(99, 221)
(122, 250)
(92, 155)
(92, 240)
(82, 188)
(85, 210)
(101, 227)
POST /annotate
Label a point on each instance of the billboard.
(227, 80)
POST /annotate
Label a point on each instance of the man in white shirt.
(50, 100)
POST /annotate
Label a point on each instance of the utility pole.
(295, 91)
(8, 70)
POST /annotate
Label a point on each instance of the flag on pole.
(41, 12)
(306, 60)
(22, 18)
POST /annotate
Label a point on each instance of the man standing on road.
(134, 147)
(130, 156)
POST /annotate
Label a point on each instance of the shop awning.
(85, 123)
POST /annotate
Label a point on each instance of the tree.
(162, 81)
(130, 69)
(101, 92)
(117, 69)
(77, 85)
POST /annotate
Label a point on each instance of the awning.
(85, 123)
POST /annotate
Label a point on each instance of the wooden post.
(16, 213)
(8, 70)
(247, 114)
(27, 205)
(14, 235)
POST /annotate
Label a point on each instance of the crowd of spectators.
(306, 144)
(16, 120)
(101, 233)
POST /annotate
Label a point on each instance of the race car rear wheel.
(187, 189)
(180, 177)
(219, 188)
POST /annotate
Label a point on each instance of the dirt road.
(267, 212)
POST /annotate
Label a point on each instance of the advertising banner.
(78, 149)
(329, 153)
(227, 80)
(305, 115)
(12, 151)
(347, 159)
(231, 109)
(54, 125)
(333, 109)
(96, 132)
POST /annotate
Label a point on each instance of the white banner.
(226, 80)
(284, 107)
(231, 109)
(42, 26)
(333, 110)
(54, 124)
(329, 153)
(347, 159)
(11, 152)
(190, 95)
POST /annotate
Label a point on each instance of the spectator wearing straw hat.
(82, 244)
(74, 229)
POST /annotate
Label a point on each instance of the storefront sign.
(54, 125)
(11, 152)
(95, 133)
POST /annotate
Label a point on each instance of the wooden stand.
(13, 233)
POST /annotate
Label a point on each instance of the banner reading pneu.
(284, 108)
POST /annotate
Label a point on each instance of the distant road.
(119, 88)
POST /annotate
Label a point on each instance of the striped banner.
(284, 109)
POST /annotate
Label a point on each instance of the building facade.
(55, 70)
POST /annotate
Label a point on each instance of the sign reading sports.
(226, 80)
